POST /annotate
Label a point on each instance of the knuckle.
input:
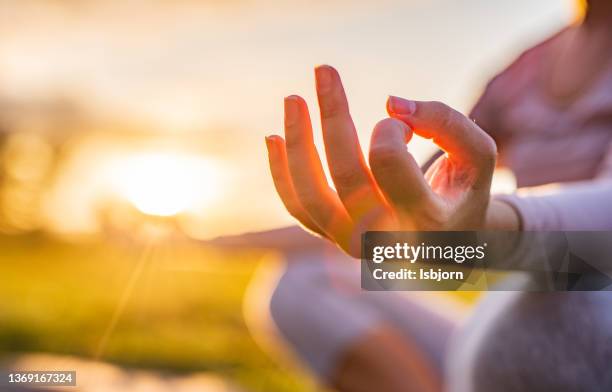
(330, 109)
(441, 107)
(345, 176)
(388, 142)
(447, 116)
(292, 143)
(309, 200)
(489, 152)
(383, 156)
(451, 118)
(294, 210)
(491, 147)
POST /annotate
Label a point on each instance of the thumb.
(461, 138)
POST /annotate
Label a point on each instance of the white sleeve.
(577, 206)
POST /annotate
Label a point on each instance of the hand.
(392, 193)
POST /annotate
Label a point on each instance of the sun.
(166, 183)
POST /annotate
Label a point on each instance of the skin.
(384, 361)
(391, 193)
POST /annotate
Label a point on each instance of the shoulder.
(527, 65)
(512, 81)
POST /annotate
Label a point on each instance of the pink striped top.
(540, 140)
(544, 142)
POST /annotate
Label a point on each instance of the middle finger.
(352, 178)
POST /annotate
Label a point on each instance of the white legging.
(320, 309)
(514, 341)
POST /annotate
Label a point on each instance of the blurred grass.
(184, 313)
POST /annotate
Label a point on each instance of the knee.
(288, 302)
(570, 329)
(315, 320)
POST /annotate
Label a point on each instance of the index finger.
(460, 137)
(463, 140)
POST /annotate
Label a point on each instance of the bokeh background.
(132, 131)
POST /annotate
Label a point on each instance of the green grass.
(184, 312)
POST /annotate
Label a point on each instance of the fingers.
(461, 138)
(349, 172)
(277, 156)
(316, 197)
(395, 170)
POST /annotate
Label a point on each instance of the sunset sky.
(216, 72)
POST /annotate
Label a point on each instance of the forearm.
(577, 206)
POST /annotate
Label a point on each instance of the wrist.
(502, 216)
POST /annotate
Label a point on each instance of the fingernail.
(324, 77)
(268, 142)
(291, 110)
(401, 106)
